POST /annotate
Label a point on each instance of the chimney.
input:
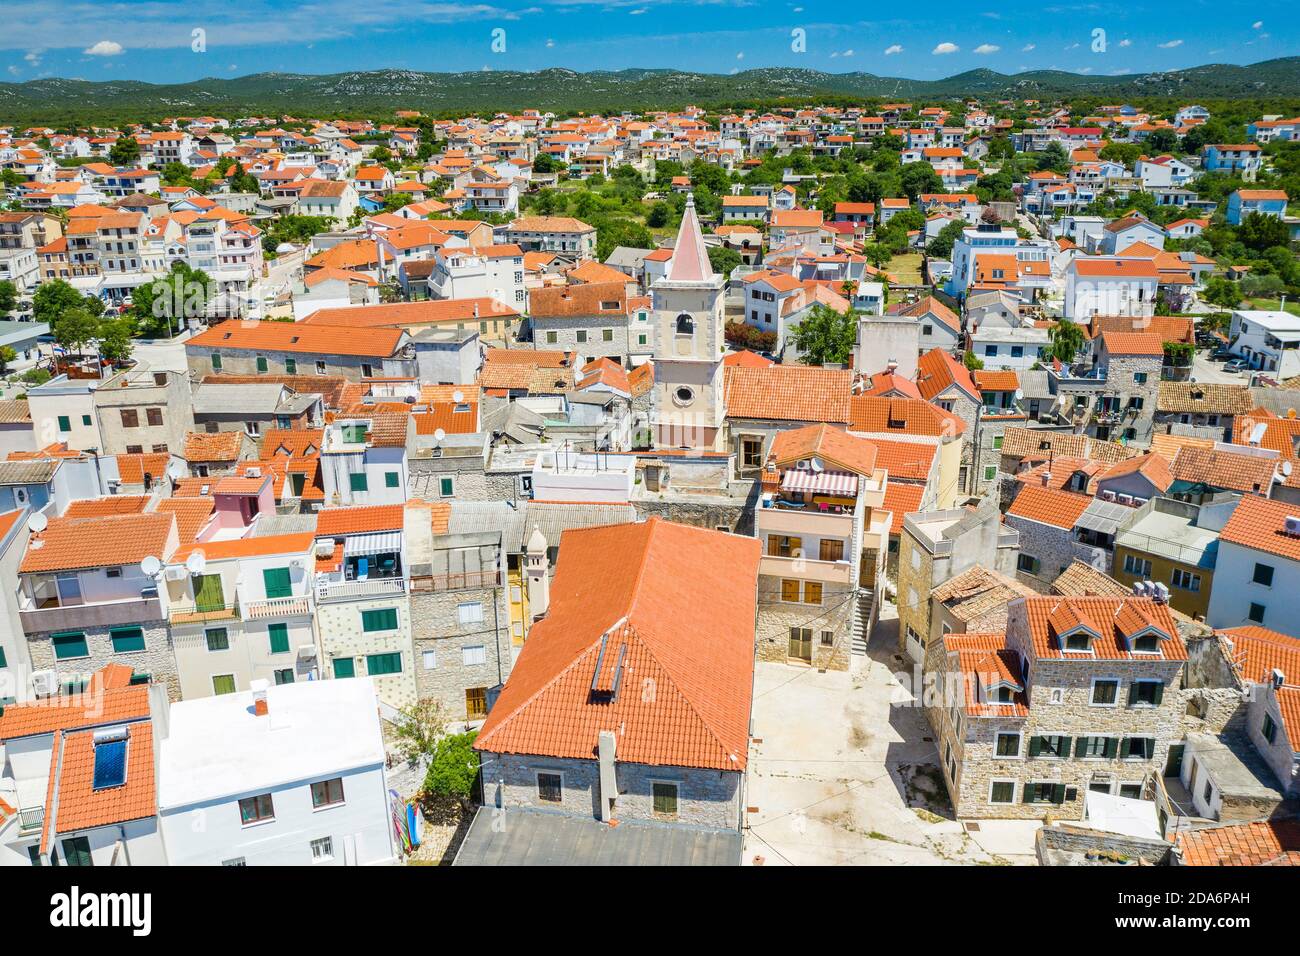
(1277, 679)
(1047, 479)
(606, 747)
(258, 687)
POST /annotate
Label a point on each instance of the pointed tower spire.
(690, 261)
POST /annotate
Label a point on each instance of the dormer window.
(1077, 641)
(1146, 644)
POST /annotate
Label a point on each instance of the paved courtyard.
(845, 773)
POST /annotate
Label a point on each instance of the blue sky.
(153, 40)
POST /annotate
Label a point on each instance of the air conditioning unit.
(45, 683)
(1292, 525)
(1125, 499)
(1108, 495)
(307, 651)
(1161, 594)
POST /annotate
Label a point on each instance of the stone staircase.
(862, 622)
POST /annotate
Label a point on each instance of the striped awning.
(382, 542)
(840, 483)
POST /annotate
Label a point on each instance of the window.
(290, 366)
(1008, 745)
(223, 684)
(1263, 574)
(665, 799)
(130, 418)
(344, 667)
(429, 660)
(471, 612)
(685, 324)
(550, 787)
(277, 584)
(76, 851)
(1078, 641)
(1131, 790)
(607, 335)
(997, 442)
(1139, 378)
(472, 654)
(1256, 613)
(1146, 693)
(392, 479)
(1137, 566)
(379, 664)
(382, 619)
(110, 762)
(552, 338)
(581, 335)
(1269, 730)
(812, 592)
(1095, 748)
(327, 793)
(1105, 692)
(283, 676)
(322, 850)
(475, 703)
(126, 639)
(831, 550)
(1027, 564)
(446, 487)
(784, 546)
(1054, 745)
(1137, 748)
(256, 809)
(65, 425)
(1045, 793)
(279, 636)
(320, 368)
(990, 472)
(261, 363)
(1002, 791)
(357, 481)
(216, 362)
(153, 416)
(70, 645)
(85, 420)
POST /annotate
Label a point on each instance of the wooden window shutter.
(1123, 748)
(1035, 746)
(1160, 693)
(1132, 693)
(1065, 747)
(1029, 791)
(1081, 746)
(1058, 793)
(1112, 746)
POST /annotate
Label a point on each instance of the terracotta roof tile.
(836, 447)
(1217, 468)
(1060, 509)
(80, 806)
(788, 393)
(68, 544)
(1112, 619)
(1261, 843)
(902, 416)
(111, 505)
(299, 338)
(332, 522)
(213, 446)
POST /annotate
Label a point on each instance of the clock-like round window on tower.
(684, 396)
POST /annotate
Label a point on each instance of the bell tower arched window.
(685, 324)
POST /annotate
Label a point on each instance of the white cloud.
(1072, 46)
(14, 71)
(843, 53)
(550, 44)
(944, 48)
(104, 48)
(740, 56)
(1028, 47)
(1169, 44)
(1126, 42)
(890, 51)
(1085, 69)
(33, 57)
(636, 13)
(986, 48)
(1257, 25)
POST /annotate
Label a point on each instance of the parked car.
(1236, 365)
(1220, 355)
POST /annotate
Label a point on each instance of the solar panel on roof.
(110, 764)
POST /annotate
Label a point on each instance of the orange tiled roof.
(1224, 469)
(834, 445)
(909, 416)
(901, 499)
(131, 469)
(1261, 843)
(68, 544)
(996, 381)
(111, 505)
(937, 370)
(1060, 509)
(212, 446)
(1133, 343)
(341, 521)
(301, 338)
(80, 806)
(788, 393)
(1151, 466)
(645, 610)
(1260, 523)
(987, 662)
(293, 442)
(1112, 619)
(99, 705)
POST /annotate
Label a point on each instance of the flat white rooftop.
(217, 747)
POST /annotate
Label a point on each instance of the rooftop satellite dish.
(1019, 394)
(439, 434)
(196, 563)
(1286, 469)
(459, 397)
(175, 471)
(150, 566)
(37, 523)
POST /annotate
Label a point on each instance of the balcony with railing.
(30, 819)
(332, 591)
(459, 581)
(50, 612)
(298, 605)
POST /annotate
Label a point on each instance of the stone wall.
(339, 625)
(834, 617)
(714, 514)
(436, 628)
(1063, 838)
(156, 659)
(705, 798)
(1055, 548)
(472, 483)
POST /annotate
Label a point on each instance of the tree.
(8, 355)
(940, 246)
(972, 361)
(419, 728)
(1162, 141)
(612, 233)
(115, 340)
(658, 215)
(8, 297)
(1054, 158)
(1066, 340)
(124, 152)
(545, 163)
(723, 260)
(1260, 232)
(453, 767)
(74, 328)
(52, 299)
(162, 307)
(1221, 292)
(826, 336)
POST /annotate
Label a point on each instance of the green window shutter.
(1123, 748)
(85, 420)
(223, 684)
(126, 639)
(284, 676)
(1035, 746)
(1081, 746)
(72, 644)
(1160, 693)
(261, 363)
(1029, 793)
(345, 667)
(279, 634)
(378, 664)
(1132, 694)
(392, 479)
(384, 619)
(216, 361)
(208, 595)
(357, 481)
(290, 367)
(1065, 747)
(1148, 747)
(1112, 747)
(277, 583)
(2, 658)
(65, 424)
(1058, 793)
(218, 639)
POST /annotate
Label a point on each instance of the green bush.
(454, 767)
